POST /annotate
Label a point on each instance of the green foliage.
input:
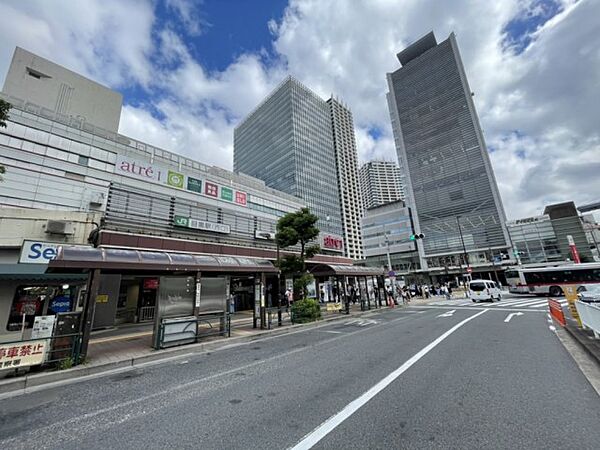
(297, 227)
(300, 284)
(307, 310)
(311, 251)
(65, 364)
(290, 264)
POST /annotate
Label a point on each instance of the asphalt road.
(421, 377)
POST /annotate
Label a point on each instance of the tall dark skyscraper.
(450, 184)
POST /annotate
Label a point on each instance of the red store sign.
(333, 243)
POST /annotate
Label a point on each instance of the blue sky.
(191, 70)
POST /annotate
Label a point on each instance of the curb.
(583, 344)
(22, 385)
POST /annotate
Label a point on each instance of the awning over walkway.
(346, 269)
(33, 272)
(70, 259)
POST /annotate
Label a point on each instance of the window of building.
(38, 300)
(83, 160)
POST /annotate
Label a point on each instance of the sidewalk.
(122, 352)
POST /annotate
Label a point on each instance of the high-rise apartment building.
(344, 143)
(380, 183)
(290, 141)
(450, 184)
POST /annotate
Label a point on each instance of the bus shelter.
(345, 283)
(187, 286)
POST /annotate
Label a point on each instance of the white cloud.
(538, 109)
(96, 38)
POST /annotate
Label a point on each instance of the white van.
(484, 290)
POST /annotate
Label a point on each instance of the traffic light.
(414, 237)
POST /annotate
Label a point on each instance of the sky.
(190, 70)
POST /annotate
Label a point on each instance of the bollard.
(279, 317)
(347, 306)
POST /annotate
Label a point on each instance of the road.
(450, 375)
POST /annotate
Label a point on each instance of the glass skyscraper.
(287, 141)
(450, 185)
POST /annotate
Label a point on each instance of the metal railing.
(57, 350)
(590, 316)
(146, 313)
(188, 330)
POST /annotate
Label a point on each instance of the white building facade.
(346, 156)
(380, 182)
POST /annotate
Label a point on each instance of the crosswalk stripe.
(520, 303)
(562, 303)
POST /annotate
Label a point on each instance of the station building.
(135, 223)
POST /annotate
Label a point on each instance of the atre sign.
(332, 243)
(156, 173)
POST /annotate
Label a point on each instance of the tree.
(4, 107)
(293, 229)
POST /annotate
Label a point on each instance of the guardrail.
(146, 313)
(187, 330)
(590, 316)
(50, 351)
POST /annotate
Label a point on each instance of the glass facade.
(535, 240)
(387, 228)
(287, 142)
(450, 184)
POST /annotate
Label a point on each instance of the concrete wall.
(17, 224)
(38, 80)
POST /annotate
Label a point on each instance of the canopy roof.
(345, 269)
(70, 259)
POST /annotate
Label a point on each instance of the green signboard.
(175, 179)
(181, 221)
(226, 193)
(193, 184)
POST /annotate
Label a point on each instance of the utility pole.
(466, 256)
(494, 265)
(389, 261)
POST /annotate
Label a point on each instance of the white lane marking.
(331, 331)
(447, 314)
(362, 322)
(511, 315)
(312, 438)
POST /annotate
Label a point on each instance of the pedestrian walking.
(445, 292)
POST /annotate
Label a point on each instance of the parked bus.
(546, 280)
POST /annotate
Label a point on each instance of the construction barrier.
(556, 311)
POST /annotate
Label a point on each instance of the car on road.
(484, 290)
(589, 293)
